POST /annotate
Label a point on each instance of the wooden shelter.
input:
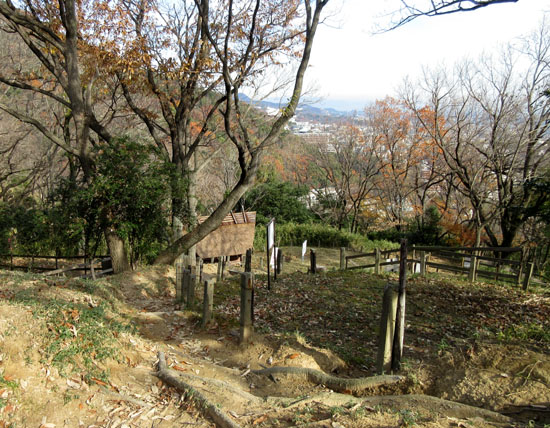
(234, 236)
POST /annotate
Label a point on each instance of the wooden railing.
(470, 261)
(56, 265)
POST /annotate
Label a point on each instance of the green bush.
(292, 234)
(279, 199)
(24, 228)
(129, 192)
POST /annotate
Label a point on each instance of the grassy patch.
(7, 383)
(341, 311)
(78, 336)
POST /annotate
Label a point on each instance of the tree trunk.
(119, 257)
(192, 209)
(183, 244)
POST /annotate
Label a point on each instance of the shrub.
(292, 234)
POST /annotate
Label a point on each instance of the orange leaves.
(259, 420)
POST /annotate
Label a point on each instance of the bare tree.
(491, 124)
(347, 168)
(249, 146)
(410, 11)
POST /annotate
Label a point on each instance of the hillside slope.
(79, 353)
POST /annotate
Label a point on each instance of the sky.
(351, 67)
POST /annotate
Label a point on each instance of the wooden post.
(56, 262)
(191, 281)
(520, 273)
(342, 258)
(208, 302)
(528, 275)
(248, 268)
(422, 263)
(200, 263)
(194, 276)
(473, 268)
(312, 262)
(387, 326)
(398, 337)
(219, 276)
(92, 269)
(248, 261)
(179, 282)
(276, 249)
(377, 261)
(279, 261)
(246, 327)
(185, 281)
(11, 261)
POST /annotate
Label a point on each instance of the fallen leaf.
(99, 382)
(293, 356)
(178, 368)
(261, 419)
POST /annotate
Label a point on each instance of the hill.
(80, 353)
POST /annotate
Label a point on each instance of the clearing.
(82, 353)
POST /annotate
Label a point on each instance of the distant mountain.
(303, 110)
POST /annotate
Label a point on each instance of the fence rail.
(59, 264)
(470, 261)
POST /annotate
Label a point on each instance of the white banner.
(304, 249)
(273, 259)
(270, 235)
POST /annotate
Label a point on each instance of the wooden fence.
(473, 262)
(56, 265)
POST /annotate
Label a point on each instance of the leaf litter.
(475, 331)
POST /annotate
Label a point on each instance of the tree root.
(332, 382)
(220, 418)
(433, 404)
(223, 385)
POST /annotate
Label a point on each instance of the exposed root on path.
(335, 383)
(226, 386)
(220, 418)
(450, 408)
(429, 403)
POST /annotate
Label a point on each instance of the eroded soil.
(471, 357)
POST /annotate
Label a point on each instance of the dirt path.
(35, 392)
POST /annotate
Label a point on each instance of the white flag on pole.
(270, 235)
